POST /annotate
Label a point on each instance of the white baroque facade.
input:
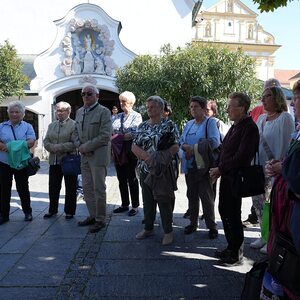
(231, 23)
(86, 47)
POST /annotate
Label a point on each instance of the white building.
(231, 23)
(86, 45)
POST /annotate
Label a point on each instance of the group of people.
(145, 154)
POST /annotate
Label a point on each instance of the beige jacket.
(94, 129)
(62, 134)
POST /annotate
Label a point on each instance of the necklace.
(271, 115)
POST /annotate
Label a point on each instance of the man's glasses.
(88, 94)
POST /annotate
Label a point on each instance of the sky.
(284, 25)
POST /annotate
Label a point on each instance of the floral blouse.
(148, 137)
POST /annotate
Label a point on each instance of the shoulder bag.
(249, 181)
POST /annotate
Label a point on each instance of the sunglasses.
(88, 94)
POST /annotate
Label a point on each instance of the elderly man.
(93, 131)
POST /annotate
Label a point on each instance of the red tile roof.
(285, 75)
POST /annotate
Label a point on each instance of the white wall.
(147, 24)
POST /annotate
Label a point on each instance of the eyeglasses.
(61, 110)
(88, 94)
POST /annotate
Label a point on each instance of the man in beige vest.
(93, 131)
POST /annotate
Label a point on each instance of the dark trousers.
(127, 178)
(201, 188)
(55, 180)
(149, 203)
(21, 178)
(230, 212)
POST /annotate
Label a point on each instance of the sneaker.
(121, 209)
(212, 234)
(168, 239)
(133, 212)
(257, 244)
(144, 234)
(97, 226)
(250, 222)
(263, 250)
(187, 214)
(190, 229)
(28, 217)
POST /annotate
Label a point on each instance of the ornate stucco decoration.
(87, 49)
(87, 79)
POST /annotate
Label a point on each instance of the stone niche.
(87, 48)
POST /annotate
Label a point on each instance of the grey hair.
(64, 104)
(271, 82)
(19, 104)
(158, 100)
(92, 87)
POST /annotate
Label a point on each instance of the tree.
(12, 80)
(176, 75)
(271, 5)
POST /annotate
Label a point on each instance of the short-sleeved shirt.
(23, 131)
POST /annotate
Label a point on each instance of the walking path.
(56, 259)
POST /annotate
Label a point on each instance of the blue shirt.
(23, 131)
(192, 132)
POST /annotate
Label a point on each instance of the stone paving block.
(27, 293)
(7, 261)
(171, 287)
(44, 264)
(132, 267)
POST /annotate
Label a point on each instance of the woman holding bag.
(59, 142)
(275, 128)
(15, 129)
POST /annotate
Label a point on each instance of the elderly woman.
(59, 142)
(199, 184)
(155, 145)
(237, 151)
(275, 128)
(124, 128)
(15, 129)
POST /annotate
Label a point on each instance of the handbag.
(284, 263)
(70, 164)
(249, 181)
(33, 165)
(265, 221)
(253, 280)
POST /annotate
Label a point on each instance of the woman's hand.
(189, 151)
(3, 147)
(273, 167)
(214, 173)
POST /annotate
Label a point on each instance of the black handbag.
(284, 263)
(33, 165)
(70, 164)
(249, 181)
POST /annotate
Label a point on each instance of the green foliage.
(176, 75)
(12, 80)
(271, 5)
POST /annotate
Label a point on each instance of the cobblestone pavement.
(56, 259)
